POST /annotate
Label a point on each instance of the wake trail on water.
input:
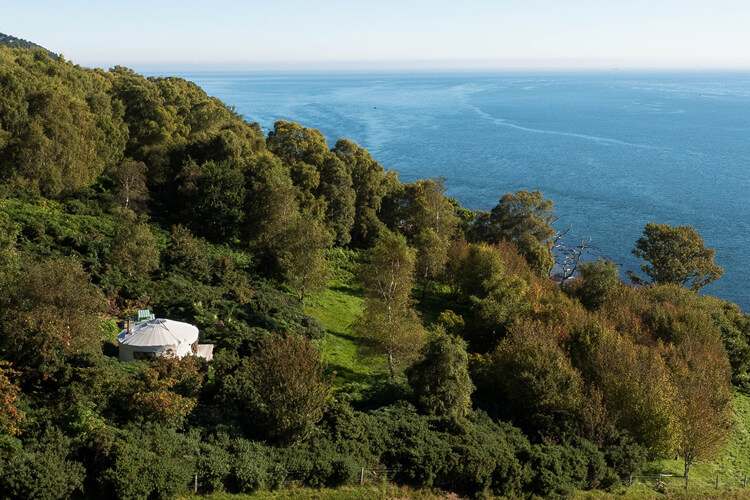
(601, 140)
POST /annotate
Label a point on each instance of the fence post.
(362, 476)
(744, 483)
(630, 481)
(195, 483)
(717, 481)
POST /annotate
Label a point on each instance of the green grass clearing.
(338, 308)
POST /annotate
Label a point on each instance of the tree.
(217, 206)
(51, 315)
(702, 379)
(8, 257)
(271, 200)
(336, 188)
(530, 380)
(288, 388)
(134, 250)
(675, 255)
(440, 380)
(598, 278)
(302, 254)
(305, 151)
(130, 176)
(526, 219)
(370, 185)
(10, 415)
(431, 215)
(389, 325)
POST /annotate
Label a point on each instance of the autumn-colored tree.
(389, 325)
(638, 390)
(51, 314)
(702, 377)
(10, 415)
(165, 390)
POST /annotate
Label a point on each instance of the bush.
(256, 466)
(213, 466)
(625, 456)
(41, 470)
(318, 464)
(151, 462)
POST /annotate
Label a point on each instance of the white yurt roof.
(159, 332)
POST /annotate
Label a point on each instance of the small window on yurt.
(143, 356)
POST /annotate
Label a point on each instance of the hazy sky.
(332, 34)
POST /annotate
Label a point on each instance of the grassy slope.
(338, 308)
(731, 465)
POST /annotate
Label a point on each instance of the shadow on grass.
(345, 375)
(342, 335)
(354, 291)
(433, 303)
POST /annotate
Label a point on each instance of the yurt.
(158, 337)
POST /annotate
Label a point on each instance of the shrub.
(150, 462)
(256, 466)
(213, 466)
(41, 470)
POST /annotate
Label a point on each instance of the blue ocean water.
(613, 150)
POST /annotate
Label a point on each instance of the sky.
(388, 34)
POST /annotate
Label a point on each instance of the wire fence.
(667, 482)
(650, 482)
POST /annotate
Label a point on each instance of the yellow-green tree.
(704, 419)
(389, 325)
(675, 255)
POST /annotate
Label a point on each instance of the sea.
(613, 149)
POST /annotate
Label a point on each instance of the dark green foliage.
(8, 257)
(12, 41)
(256, 466)
(625, 456)
(286, 389)
(440, 379)
(60, 125)
(214, 196)
(41, 470)
(213, 465)
(526, 219)
(531, 381)
(558, 470)
(150, 462)
(82, 150)
(370, 185)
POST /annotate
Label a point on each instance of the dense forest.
(500, 362)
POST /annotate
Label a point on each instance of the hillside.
(363, 329)
(12, 41)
